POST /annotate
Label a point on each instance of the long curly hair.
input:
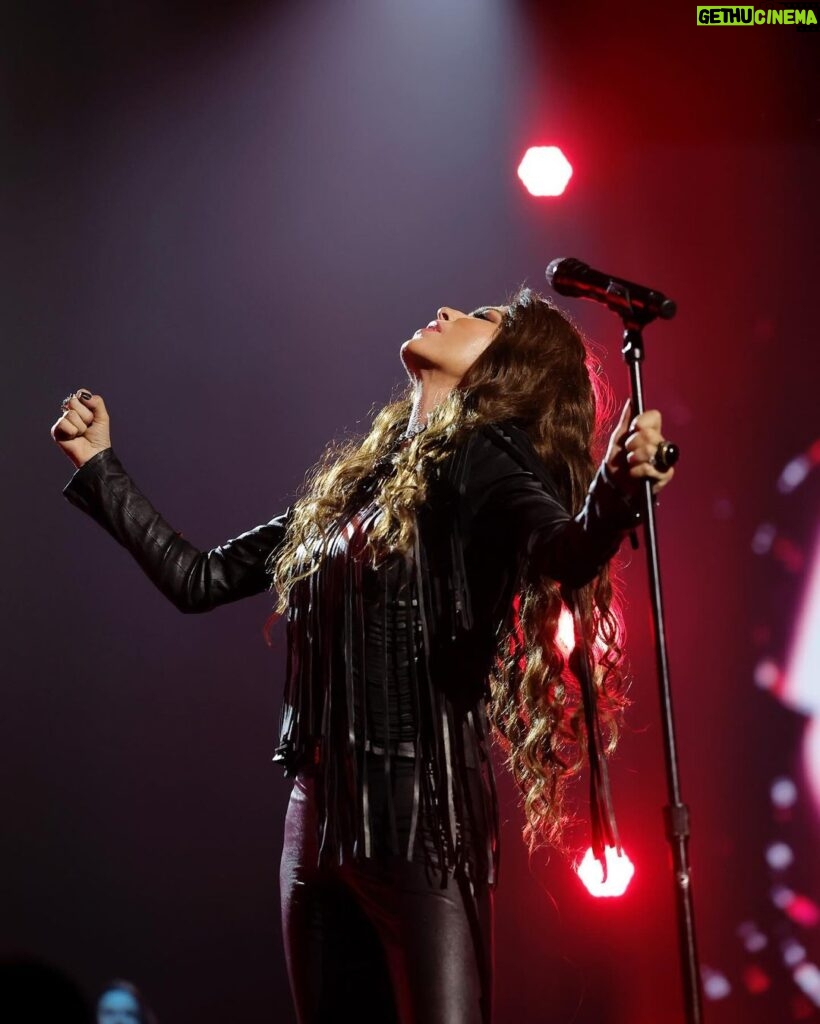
(538, 371)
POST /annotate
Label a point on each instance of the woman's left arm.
(632, 446)
(549, 540)
(576, 552)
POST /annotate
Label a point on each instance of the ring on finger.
(666, 455)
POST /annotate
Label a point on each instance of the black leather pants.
(378, 940)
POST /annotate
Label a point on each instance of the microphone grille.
(552, 269)
(567, 267)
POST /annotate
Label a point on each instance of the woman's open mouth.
(434, 325)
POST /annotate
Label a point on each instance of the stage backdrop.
(226, 222)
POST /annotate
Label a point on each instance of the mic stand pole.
(676, 813)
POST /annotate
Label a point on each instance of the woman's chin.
(414, 360)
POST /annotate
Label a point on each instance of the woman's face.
(449, 345)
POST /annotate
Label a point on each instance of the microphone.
(573, 278)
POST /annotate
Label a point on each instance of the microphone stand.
(676, 813)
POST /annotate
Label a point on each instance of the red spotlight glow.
(566, 630)
(545, 171)
(619, 873)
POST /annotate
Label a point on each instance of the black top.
(391, 640)
(391, 635)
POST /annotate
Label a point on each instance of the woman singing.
(422, 571)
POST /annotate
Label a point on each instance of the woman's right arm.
(193, 580)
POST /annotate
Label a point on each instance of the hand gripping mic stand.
(676, 813)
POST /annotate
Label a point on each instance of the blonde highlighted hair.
(538, 371)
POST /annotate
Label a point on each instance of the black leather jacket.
(493, 512)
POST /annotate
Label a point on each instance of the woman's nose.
(446, 313)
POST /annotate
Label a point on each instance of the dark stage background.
(226, 219)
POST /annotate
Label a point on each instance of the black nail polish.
(85, 394)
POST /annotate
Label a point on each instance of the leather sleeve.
(548, 539)
(193, 580)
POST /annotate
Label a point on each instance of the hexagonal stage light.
(619, 873)
(545, 171)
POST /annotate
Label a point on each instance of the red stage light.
(566, 631)
(619, 873)
(545, 171)
(756, 979)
